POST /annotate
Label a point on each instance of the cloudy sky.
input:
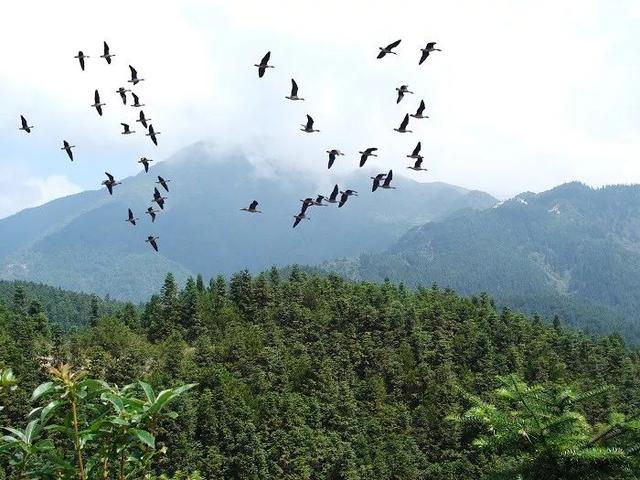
(525, 95)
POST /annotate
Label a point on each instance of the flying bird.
(418, 165)
(152, 241)
(158, 198)
(333, 153)
(163, 182)
(388, 49)
(152, 134)
(143, 120)
(123, 94)
(416, 151)
(264, 64)
(67, 148)
(318, 201)
(131, 219)
(387, 180)
(345, 196)
(427, 50)
(96, 102)
(418, 113)
(376, 181)
(145, 163)
(306, 203)
(134, 76)
(136, 101)
(25, 126)
(294, 91)
(106, 55)
(308, 128)
(334, 195)
(152, 213)
(300, 216)
(110, 182)
(252, 208)
(403, 125)
(81, 56)
(401, 91)
(127, 130)
(366, 154)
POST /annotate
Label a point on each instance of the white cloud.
(525, 95)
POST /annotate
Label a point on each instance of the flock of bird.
(337, 196)
(381, 180)
(150, 132)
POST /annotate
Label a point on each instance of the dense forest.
(300, 376)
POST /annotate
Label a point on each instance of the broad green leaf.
(115, 401)
(17, 433)
(145, 437)
(29, 431)
(148, 391)
(41, 390)
(46, 411)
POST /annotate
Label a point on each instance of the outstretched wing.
(416, 150)
(109, 176)
(154, 244)
(309, 122)
(420, 108)
(418, 163)
(405, 122)
(134, 73)
(294, 88)
(387, 180)
(96, 97)
(296, 221)
(423, 57)
(125, 126)
(253, 205)
(334, 193)
(105, 48)
(265, 59)
(393, 45)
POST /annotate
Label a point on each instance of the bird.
(96, 102)
(308, 128)
(110, 182)
(427, 50)
(81, 56)
(151, 212)
(306, 203)
(417, 166)
(25, 125)
(418, 113)
(145, 163)
(143, 120)
(401, 91)
(152, 134)
(136, 101)
(387, 180)
(345, 196)
(67, 148)
(416, 151)
(134, 76)
(127, 130)
(252, 208)
(158, 198)
(264, 64)
(106, 55)
(366, 154)
(403, 125)
(334, 195)
(123, 94)
(376, 181)
(388, 49)
(131, 219)
(294, 91)
(163, 182)
(152, 241)
(318, 201)
(300, 216)
(333, 153)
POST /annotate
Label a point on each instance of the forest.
(292, 375)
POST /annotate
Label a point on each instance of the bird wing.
(81, 60)
(156, 193)
(334, 193)
(106, 48)
(381, 54)
(369, 151)
(154, 244)
(130, 214)
(343, 199)
(110, 188)
(24, 121)
(376, 184)
(125, 126)
(416, 150)
(134, 72)
(418, 163)
(265, 59)
(253, 205)
(294, 88)
(420, 108)
(430, 45)
(423, 57)
(387, 180)
(405, 122)
(309, 122)
(393, 45)
(96, 97)
(109, 176)
(296, 221)
(152, 132)
(135, 98)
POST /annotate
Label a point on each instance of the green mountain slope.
(571, 250)
(83, 243)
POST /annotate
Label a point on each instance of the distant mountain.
(572, 251)
(82, 242)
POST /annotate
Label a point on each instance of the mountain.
(572, 251)
(83, 243)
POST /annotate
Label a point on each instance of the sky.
(525, 95)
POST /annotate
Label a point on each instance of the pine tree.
(94, 311)
(20, 300)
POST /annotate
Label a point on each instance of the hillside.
(83, 243)
(572, 250)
